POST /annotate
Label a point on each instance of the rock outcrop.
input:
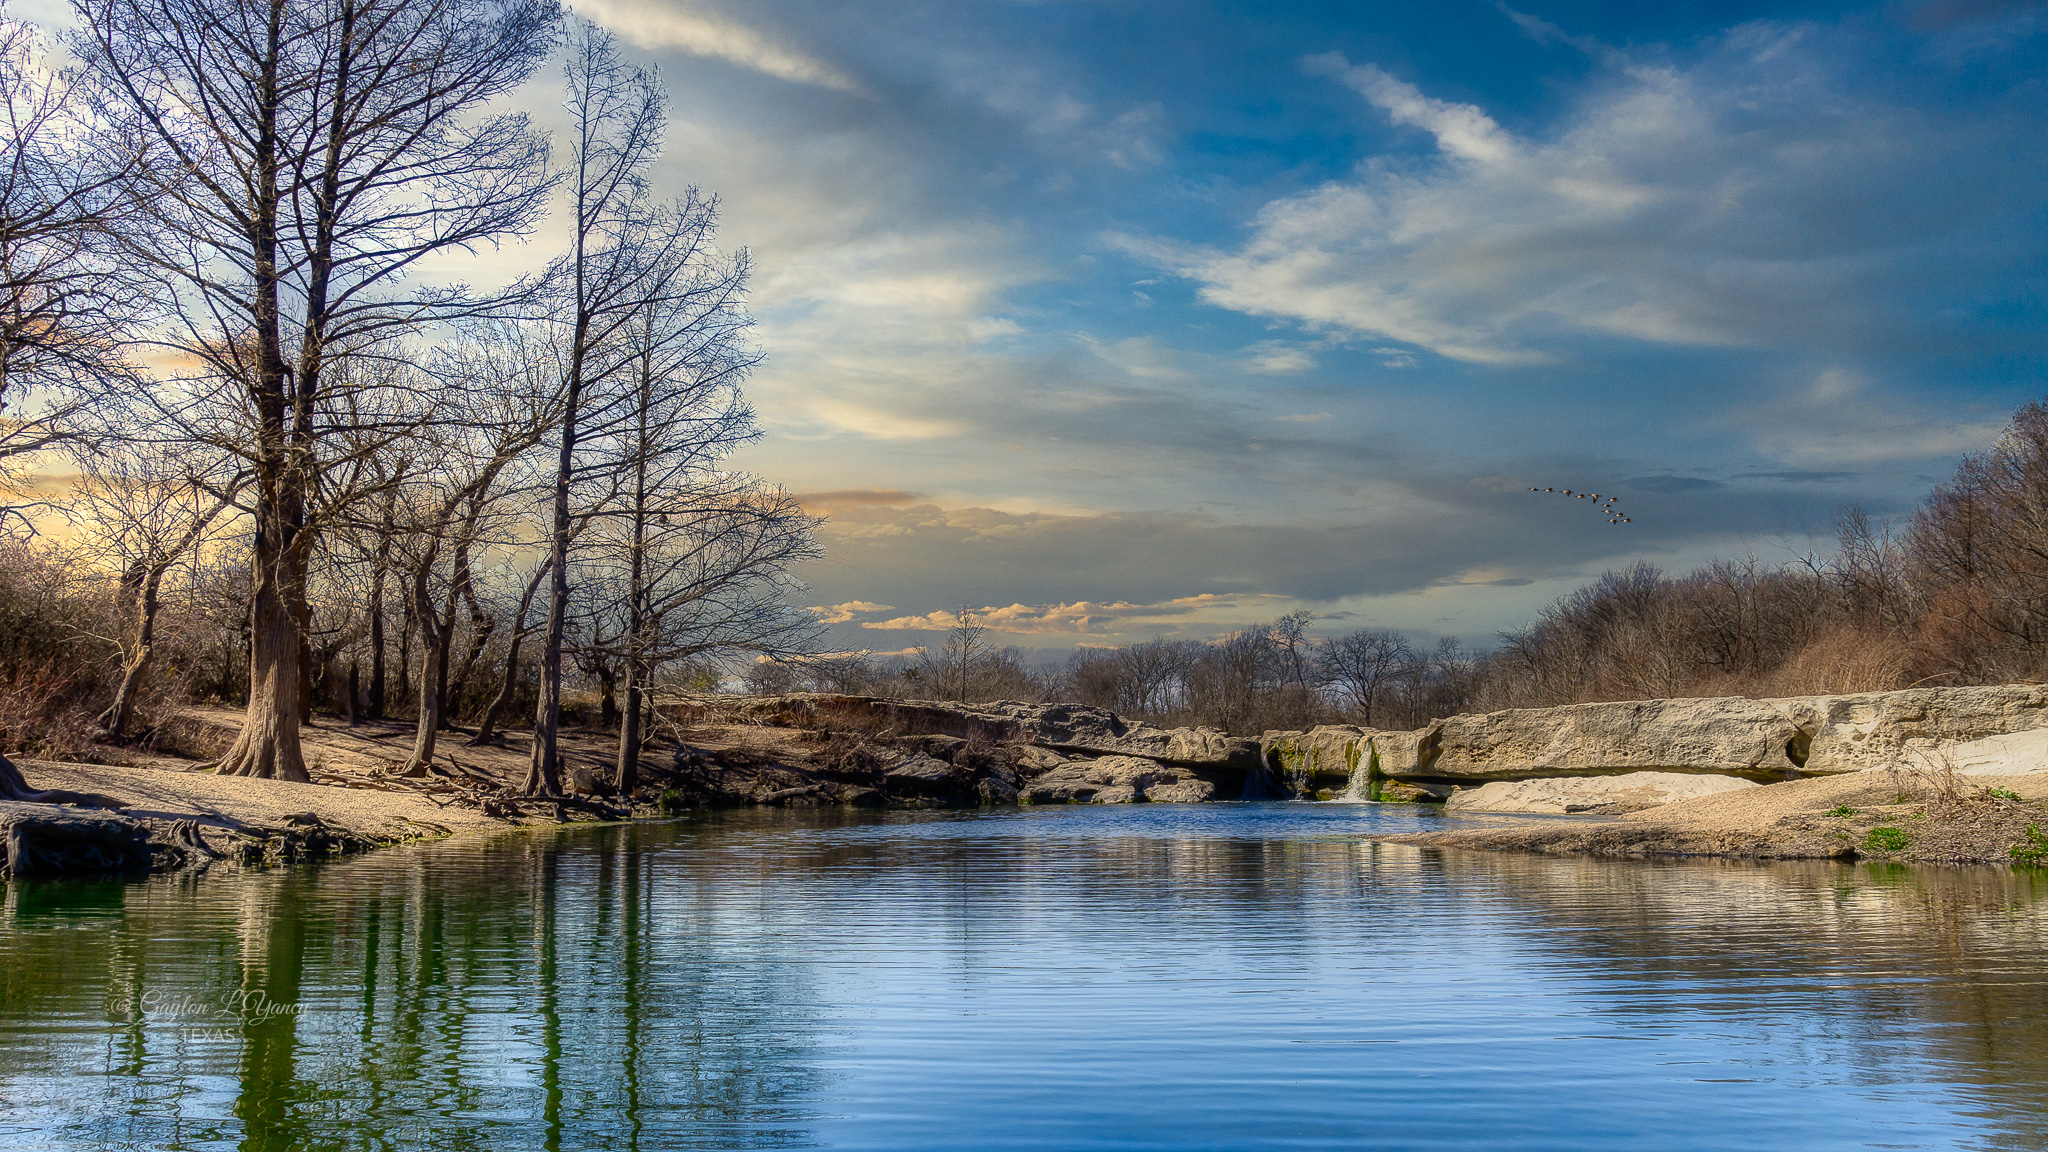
(1075, 728)
(1070, 752)
(1604, 795)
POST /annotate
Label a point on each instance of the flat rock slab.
(1559, 796)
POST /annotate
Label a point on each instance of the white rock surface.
(2016, 754)
(1559, 796)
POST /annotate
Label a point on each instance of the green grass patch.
(1886, 838)
(2000, 794)
(1841, 810)
(2034, 851)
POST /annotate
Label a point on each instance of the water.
(1232, 976)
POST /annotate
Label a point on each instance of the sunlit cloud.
(677, 24)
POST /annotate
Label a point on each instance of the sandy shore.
(1979, 820)
(234, 802)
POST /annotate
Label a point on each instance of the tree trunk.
(607, 697)
(627, 776)
(268, 747)
(405, 627)
(376, 708)
(544, 774)
(355, 687)
(486, 731)
(481, 627)
(432, 649)
(116, 718)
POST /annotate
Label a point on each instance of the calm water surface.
(1229, 976)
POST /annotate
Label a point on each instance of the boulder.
(920, 772)
(1914, 727)
(1326, 755)
(1116, 780)
(1629, 792)
(1186, 791)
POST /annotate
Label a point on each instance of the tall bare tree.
(619, 264)
(309, 155)
(704, 574)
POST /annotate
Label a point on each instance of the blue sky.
(1127, 318)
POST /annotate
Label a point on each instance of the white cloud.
(1273, 358)
(1745, 200)
(658, 24)
(842, 613)
(1080, 618)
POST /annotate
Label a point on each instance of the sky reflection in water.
(1155, 977)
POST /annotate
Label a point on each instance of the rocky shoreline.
(1792, 778)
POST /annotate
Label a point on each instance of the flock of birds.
(1604, 503)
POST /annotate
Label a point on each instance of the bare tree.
(603, 285)
(1366, 664)
(1294, 651)
(144, 510)
(509, 402)
(706, 576)
(308, 155)
(951, 667)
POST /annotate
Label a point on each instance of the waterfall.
(1358, 789)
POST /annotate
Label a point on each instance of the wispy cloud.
(844, 613)
(1081, 618)
(677, 24)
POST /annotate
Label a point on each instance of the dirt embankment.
(1903, 816)
(168, 812)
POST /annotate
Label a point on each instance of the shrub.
(1886, 839)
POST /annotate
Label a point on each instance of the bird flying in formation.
(1604, 503)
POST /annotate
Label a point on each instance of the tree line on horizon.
(315, 472)
(1956, 594)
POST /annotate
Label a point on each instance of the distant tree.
(949, 670)
(1366, 665)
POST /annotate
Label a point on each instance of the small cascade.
(1354, 792)
(1358, 790)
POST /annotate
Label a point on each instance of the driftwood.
(45, 840)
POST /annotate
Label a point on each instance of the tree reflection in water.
(1234, 976)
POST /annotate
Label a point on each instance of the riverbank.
(1874, 815)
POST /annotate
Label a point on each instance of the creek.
(1235, 976)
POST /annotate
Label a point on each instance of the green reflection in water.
(777, 979)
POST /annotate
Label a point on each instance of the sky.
(1114, 319)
